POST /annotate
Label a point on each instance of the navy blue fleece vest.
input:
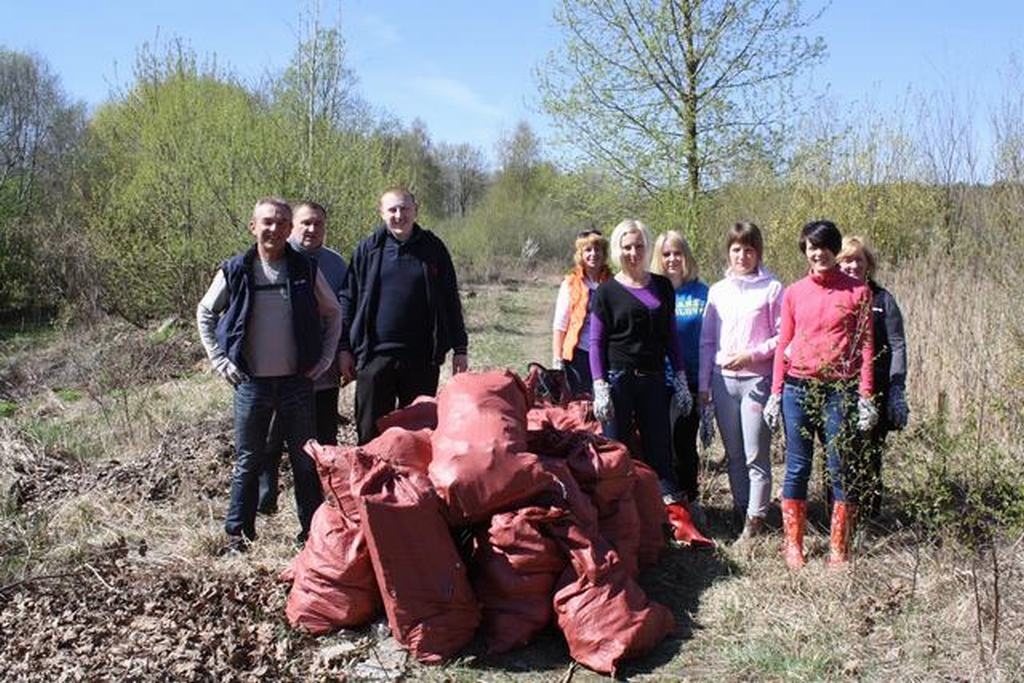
(232, 325)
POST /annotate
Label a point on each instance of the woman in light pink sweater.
(738, 339)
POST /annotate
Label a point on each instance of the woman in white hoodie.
(738, 340)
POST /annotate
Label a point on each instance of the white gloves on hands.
(707, 424)
(898, 411)
(557, 364)
(773, 412)
(229, 371)
(867, 414)
(681, 393)
(603, 410)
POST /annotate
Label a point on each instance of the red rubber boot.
(843, 518)
(794, 521)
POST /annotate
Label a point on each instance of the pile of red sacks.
(561, 520)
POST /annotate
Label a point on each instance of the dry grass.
(917, 604)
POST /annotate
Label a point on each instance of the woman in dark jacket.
(890, 371)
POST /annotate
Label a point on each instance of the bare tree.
(464, 175)
(664, 92)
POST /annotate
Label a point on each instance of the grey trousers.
(739, 406)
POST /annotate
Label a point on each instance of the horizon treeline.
(129, 208)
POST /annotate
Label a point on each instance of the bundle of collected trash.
(482, 511)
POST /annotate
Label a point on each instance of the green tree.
(40, 130)
(174, 165)
(665, 92)
(326, 136)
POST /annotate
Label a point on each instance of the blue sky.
(465, 67)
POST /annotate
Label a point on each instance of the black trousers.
(684, 443)
(386, 383)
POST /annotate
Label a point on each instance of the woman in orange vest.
(570, 340)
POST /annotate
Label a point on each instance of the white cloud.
(380, 32)
(456, 94)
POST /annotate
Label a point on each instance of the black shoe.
(267, 509)
(235, 546)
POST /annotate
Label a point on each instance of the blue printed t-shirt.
(691, 299)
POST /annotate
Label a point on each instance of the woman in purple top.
(632, 330)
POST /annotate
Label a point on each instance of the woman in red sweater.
(821, 384)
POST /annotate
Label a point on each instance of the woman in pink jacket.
(821, 384)
(738, 339)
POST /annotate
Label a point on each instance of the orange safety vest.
(579, 297)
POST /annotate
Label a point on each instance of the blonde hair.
(629, 226)
(673, 238)
(401, 191)
(854, 245)
(591, 238)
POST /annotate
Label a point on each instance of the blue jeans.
(255, 402)
(810, 408)
(641, 398)
(326, 401)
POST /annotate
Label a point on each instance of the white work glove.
(898, 411)
(226, 369)
(681, 393)
(867, 414)
(320, 368)
(707, 424)
(603, 410)
(557, 364)
(773, 412)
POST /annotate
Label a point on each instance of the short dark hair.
(821, 234)
(281, 204)
(747, 234)
(306, 203)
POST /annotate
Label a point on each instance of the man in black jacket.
(401, 312)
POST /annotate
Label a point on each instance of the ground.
(115, 458)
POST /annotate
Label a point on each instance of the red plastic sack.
(333, 584)
(333, 467)
(577, 532)
(602, 466)
(607, 618)
(651, 512)
(604, 470)
(420, 414)
(621, 527)
(575, 416)
(515, 569)
(403, 447)
(427, 596)
(604, 614)
(480, 465)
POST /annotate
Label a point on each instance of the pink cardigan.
(742, 315)
(826, 331)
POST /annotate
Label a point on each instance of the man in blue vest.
(309, 226)
(401, 312)
(260, 323)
